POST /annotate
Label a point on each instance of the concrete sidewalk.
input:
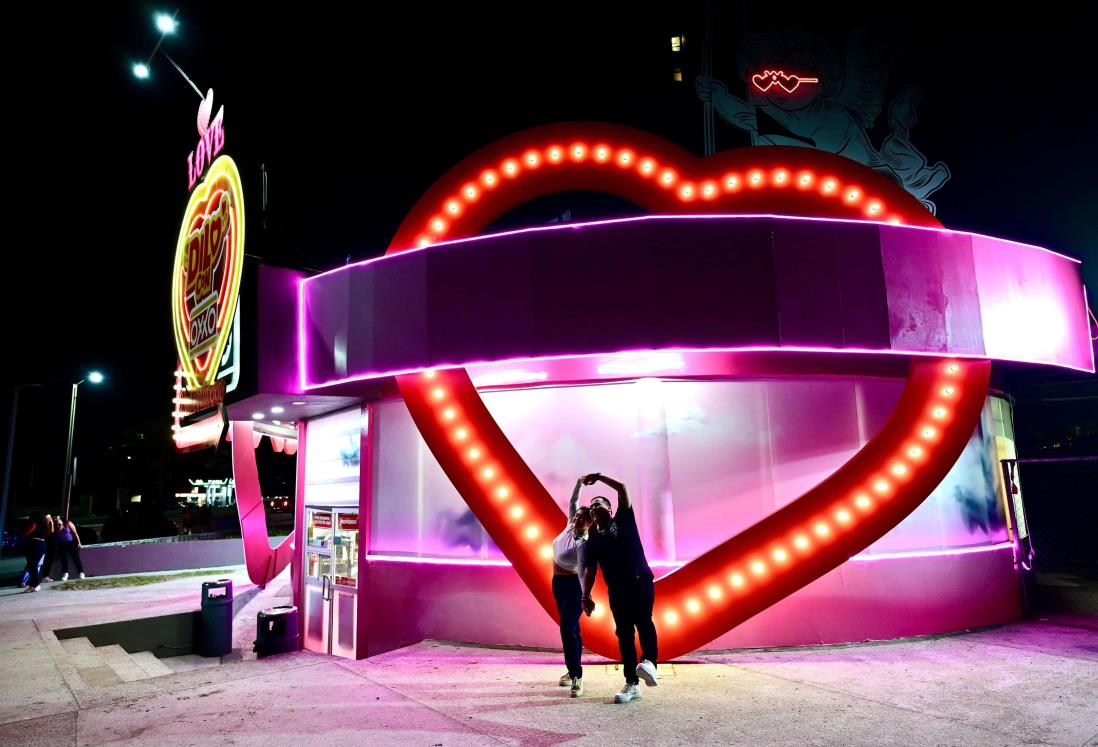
(1027, 683)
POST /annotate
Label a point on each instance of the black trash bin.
(216, 633)
(277, 631)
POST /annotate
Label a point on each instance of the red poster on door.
(348, 521)
(322, 521)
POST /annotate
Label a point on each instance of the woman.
(52, 526)
(567, 571)
(68, 544)
(36, 535)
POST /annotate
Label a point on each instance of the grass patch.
(118, 582)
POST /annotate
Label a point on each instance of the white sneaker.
(82, 574)
(64, 577)
(565, 680)
(32, 588)
(577, 687)
(627, 693)
(646, 670)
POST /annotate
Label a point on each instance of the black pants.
(67, 550)
(47, 561)
(569, 596)
(36, 551)
(631, 602)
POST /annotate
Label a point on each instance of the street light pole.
(68, 451)
(11, 453)
(166, 25)
(96, 378)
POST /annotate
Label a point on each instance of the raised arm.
(573, 502)
(619, 487)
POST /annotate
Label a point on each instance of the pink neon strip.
(301, 334)
(680, 564)
(437, 561)
(934, 553)
(746, 349)
(675, 216)
(1086, 305)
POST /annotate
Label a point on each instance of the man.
(614, 545)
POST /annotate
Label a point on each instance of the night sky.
(355, 110)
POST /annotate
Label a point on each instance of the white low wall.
(151, 555)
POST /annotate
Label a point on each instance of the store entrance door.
(331, 579)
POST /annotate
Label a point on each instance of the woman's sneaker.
(82, 574)
(646, 670)
(627, 693)
(64, 577)
(565, 680)
(47, 580)
(577, 687)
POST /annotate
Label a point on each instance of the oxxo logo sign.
(204, 264)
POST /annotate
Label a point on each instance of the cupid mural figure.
(800, 93)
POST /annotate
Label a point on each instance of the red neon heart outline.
(857, 504)
(783, 81)
(762, 81)
(780, 79)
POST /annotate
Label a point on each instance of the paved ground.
(1026, 683)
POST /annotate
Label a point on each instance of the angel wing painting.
(833, 108)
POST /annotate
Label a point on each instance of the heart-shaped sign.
(209, 260)
(840, 517)
(767, 79)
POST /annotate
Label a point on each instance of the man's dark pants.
(631, 603)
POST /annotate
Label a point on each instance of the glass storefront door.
(331, 579)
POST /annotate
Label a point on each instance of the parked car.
(280, 503)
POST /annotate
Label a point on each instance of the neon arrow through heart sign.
(744, 575)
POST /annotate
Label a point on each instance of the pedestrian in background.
(36, 535)
(68, 546)
(52, 526)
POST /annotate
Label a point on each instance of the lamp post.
(11, 453)
(95, 378)
(166, 25)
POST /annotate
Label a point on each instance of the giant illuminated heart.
(744, 575)
(209, 260)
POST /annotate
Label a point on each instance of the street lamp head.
(140, 70)
(95, 377)
(165, 23)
